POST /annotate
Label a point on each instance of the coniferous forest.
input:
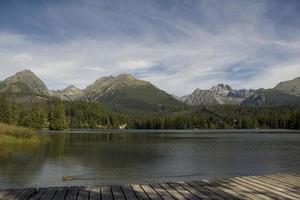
(59, 115)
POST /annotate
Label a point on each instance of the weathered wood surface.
(276, 186)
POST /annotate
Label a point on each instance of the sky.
(178, 45)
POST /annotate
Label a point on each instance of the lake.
(120, 157)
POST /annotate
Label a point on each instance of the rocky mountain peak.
(218, 94)
(22, 75)
(128, 80)
(28, 78)
(126, 77)
(104, 78)
(221, 89)
(106, 85)
(290, 87)
(71, 88)
(26, 71)
(68, 94)
(197, 90)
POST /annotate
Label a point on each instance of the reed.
(15, 134)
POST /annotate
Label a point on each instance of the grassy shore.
(14, 134)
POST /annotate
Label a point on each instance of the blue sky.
(178, 45)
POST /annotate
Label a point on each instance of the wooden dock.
(275, 186)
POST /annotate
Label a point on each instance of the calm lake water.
(97, 158)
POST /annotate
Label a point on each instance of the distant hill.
(271, 97)
(70, 93)
(200, 97)
(24, 86)
(285, 93)
(125, 93)
(25, 82)
(217, 95)
(290, 87)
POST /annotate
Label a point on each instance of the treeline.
(266, 118)
(57, 115)
(176, 121)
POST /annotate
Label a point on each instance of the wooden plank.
(27, 194)
(172, 191)
(4, 193)
(287, 188)
(204, 190)
(60, 193)
(217, 191)
(13, 194)
(290, 186)
(139, 192)
(39, 194)
(290, 178)
(246, 191)
(226, 190)
(106, 193)
(276, 186)
(162, 192)
(259, 189)
(94, 193)
(151, 192)
(285, 179)
(282, 179)
(267, 188)
(128, 193)
(195, 192)
(187, 194)
(117, 192)
(83, 194)
(49, 194)
(294, 174)
(72, 193)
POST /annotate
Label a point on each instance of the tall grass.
(14, 134)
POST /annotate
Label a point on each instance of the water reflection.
(109, 158)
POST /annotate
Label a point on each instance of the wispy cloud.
(178, 45)
(94, 68)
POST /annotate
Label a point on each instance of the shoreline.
(172, 131)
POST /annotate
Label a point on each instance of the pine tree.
(297, 126)
(12, 117)
(57, 118)
(4, 111)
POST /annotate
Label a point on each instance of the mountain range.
(285, 93)
(125, 93)
(219, 94)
